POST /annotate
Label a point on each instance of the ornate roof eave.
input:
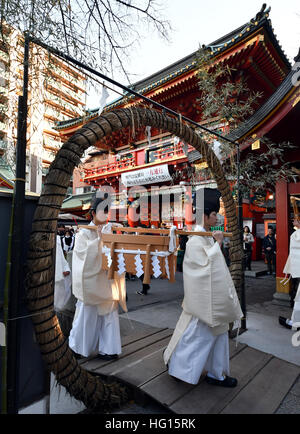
(6, 183)
(72, 125)
(190, 73)
(287, 96)
(170, 87)
(6, 176)
(221, 53)
(218, 49)
(286, 93)
(258, 130)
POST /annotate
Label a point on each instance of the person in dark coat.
(145, 286)
(269, 248)
(183, 239)
(248, 241)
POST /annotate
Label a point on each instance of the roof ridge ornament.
(262, 13)
(297, 58)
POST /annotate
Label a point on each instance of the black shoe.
(282, 321)
(141, 293)
(77, 356)
(227, 382)
(175, 378)
(107, 356)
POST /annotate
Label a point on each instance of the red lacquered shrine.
(252, 49)
(278, 119)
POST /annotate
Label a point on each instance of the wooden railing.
(163, 154)
(110, 167)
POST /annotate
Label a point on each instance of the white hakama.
(63, 284)
(93, 333)
(292, 267)
(198, 350)
(62, 293)
(296, 309)
(96, 328)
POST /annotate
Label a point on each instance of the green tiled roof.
(7, 174)
(77, 200)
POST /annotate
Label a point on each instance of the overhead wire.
(68, 58)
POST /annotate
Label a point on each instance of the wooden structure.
(263, 380)
(147, 245)
(144, 245)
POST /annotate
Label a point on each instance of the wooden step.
(146, 368)
(140, 331)
(205, 398)
(263, 380)
(130, 353)
(167, 390)
(265, 392)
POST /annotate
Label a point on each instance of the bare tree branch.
(64, 25)
(102, 33)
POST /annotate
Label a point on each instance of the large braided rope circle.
(82, 385)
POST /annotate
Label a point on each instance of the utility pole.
(18, 200)
(240, 225)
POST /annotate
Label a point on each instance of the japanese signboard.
(149, 175)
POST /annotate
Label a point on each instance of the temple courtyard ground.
(161, 308)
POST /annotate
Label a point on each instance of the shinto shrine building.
(255, 53)
(278, 119)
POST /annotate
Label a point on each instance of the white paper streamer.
(167, 267)
(138, 265)
(156, 266)
(217, 150)
(106, 250)
(121, 264)
(109, 260)
(138, 259)
(185, 148)
(148, 131)
(172, 242)
(103, 99)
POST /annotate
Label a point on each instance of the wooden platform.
(263, 380)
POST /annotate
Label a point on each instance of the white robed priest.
(62, 288)
(96, 328)
(200, 340)
(292, 267)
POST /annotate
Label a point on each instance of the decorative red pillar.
(188, 209)
(282, 239)
(131, 213)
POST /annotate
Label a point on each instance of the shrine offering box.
(141, 251)
(138, 255)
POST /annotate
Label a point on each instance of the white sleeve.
(61, 265)
(86, 262)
